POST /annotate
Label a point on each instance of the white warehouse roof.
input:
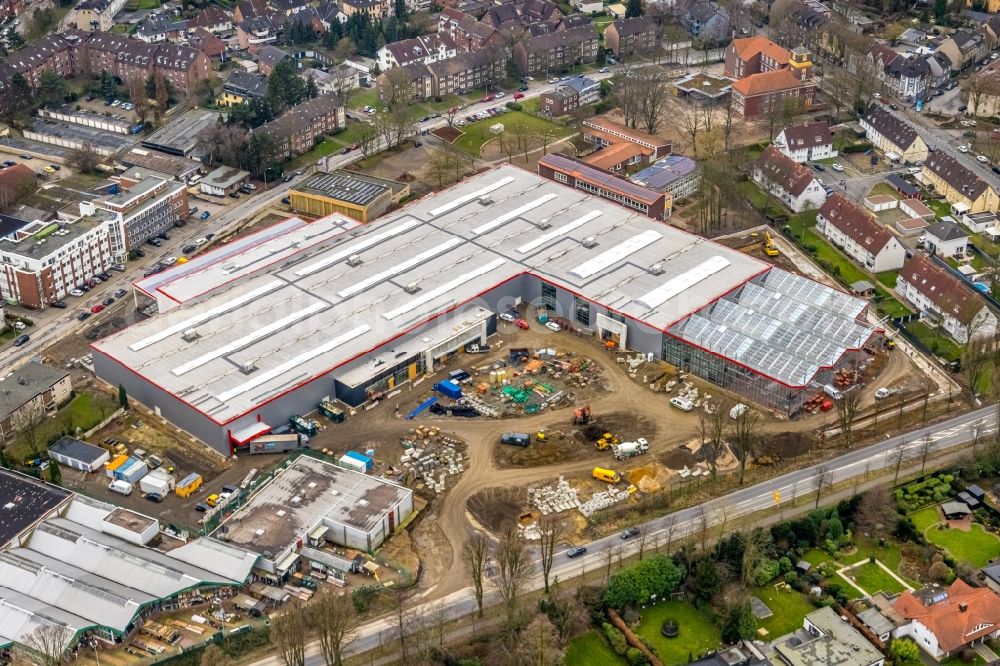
(324, 305)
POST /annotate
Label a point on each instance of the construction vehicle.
(582, 415)
(477, 348)
(627, 450)
(769, 247)
(607, 440)
(606, 475)
(540, 435)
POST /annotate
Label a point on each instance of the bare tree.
(288, 632)
(628, 94)
(538, 644)
(450, 115)
(654, 91)
(642, 541)
(513, 569)
(368, 138)
(980, 92)
(718, 423)
(690, 120)
(899, 454)
(668, 528)
(344, 82)
(551, 528)
(403, 620)
(476, 552)
(137, 95)
(925, 449)
(822, 478)
(744, 434)
(47, 644)
(85, 158)
(214, 656)
(847, 410)
(332, 617)
(975, 367)
(876, 511)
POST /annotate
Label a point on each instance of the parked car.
(8, 163)
(819, 167)
(507, 317)
(76, 292)
(286, 200)
(837, 167)
(120, 292)
(521, 323)
(630, 532)
(523, 89)
(200, 241)
(201, 506)
(154, 497)
(518, 96)
(48, 170)
(82, 316)
(169, 261)
(19, 325)
(204, 215)
(55, 166)
(983, 159)
(97, 308)
(58, 304)
(21, 339)
(188, 249)
(500, 95)
(107, 301)
(576, 552)
(488, 98)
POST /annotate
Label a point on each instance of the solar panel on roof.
(616, 254)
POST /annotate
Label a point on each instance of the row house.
(202, 40)
(859, 235)
(294, 132)
(34, 390)
(556, 51)
(477, 69)
(631, 36)
(941, 296)
(894, 137)
(466, 32)
(256, 32)
(212, 19)
(753, 55)
(959, 185)
(97, 14)
(793, 184)
(423, 49)
(57, 52)
(806, 143)
(525, 13)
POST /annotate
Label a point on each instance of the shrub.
(941, 572)
(791, 577)
(766, 571)
(784, 565)
(635, 657)
(615, 638)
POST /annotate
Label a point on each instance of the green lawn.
(84, 412)
(957, 661)
(815, 557)
(697, 633)
(939, 206)
(976, 547)
(890, 555)
(888, 279)
(590, 649)
(872, 578)
(330, 145)
(883, 188)
(364, 97)
(788, 606)
(478, 133)
(938, 342)
(602, 22)
(925, 518)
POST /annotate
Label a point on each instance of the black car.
(164, 235)
(20, 340)
(55, 166)
(235, 195)
(105, 276)
(819, 167)
(82, 316)
(522, 89)
(630, 532)
(962, 109)
(287, 179)
(59, 304)
(188, 249)
(179, 223)
(229, 488)
(576, 552)
(201, 506)
(107, 301)
(996, 169)
(154, 497)
(139, 253)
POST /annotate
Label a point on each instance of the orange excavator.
(582, 415)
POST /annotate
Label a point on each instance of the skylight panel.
(617, 253)
(681, 283)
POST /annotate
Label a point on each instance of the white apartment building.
(806, 143)
(859, 235)
(423, 49)
(940, 296)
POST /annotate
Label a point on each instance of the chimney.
(963, 607)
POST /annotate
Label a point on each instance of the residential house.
(256, 32)
(409, 83)
(793, 184)
(468, 71)
(212, 19)
(330, 13)
(943, 622)
(985, 102)
(579, 175)
(946, 239)
(908, 78)
(97, 14)
(859, 235)
(213, 47)
(29, 394)
(541, 13)
(939, 70)
(293, 133)
(991, 27)
(338, 79)
(241, 87)
(556, 51)
(941, 296)
(805, 143)
(705, 21)
(963, 48)
(678, 175)
(894, 137)
(830, 641)
(269, 57)
(587, 6)
(963, 189)
(569, 96)
(630, 36)
(621, 146)
(378, 9)
(753, 55)
(158, 28)
(56, 52)
(307, 20)
(249, 9)
(289, 7)
(423, 49)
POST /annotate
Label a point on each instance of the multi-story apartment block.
(959, 185)
(140, 212)
(805, 143)
(753, 55)
(97, 14)
(476, 69)
(294, 132)
(467, 33)
(43, 261)
(423, 49)
(859, 235)
(30, 393)
(569, 96)
(556, 51)
(58, 52)
(630, 36)
(942, 296)
(409, 83)
(378, 9)
(895, 138)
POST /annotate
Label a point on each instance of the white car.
(500, 94)
(116, 103)
(507, 317)
(169, 261)
(963, 149)
(554, 80)
(75, 292)
(603, 70)
(552, 326)
(19, 325)
(836, 167)
(877, 95)
(983, 159)
(200, 241)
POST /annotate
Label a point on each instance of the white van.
(682, 404)
(120, 487)
(832, 392)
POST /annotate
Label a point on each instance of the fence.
(118, 412)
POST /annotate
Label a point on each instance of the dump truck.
(515, 438)
(606, 475)
(627, 450)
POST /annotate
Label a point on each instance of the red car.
(522, 324)
(488, 98)
(97, 308)
(518, 95)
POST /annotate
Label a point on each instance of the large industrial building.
(74, 567)
(255, 333)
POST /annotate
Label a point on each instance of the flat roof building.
(223, 181)
(25, 501)
(78, 454)
(180, 136)
(357, 510)
(372, 307)
(355, 195)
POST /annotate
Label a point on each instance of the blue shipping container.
(368, 462)
(450, 388)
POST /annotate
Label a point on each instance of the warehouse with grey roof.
(379, 305)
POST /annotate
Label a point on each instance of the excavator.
(582, 415)
(769, 247)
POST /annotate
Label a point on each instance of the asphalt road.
(686, 522)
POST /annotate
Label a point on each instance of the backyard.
(697, 633)
(590, 649)
(939, 343)
(330, 145)
(83, 412)
(788, 607)
(872, 578)
(476, 135)
(976, 547)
